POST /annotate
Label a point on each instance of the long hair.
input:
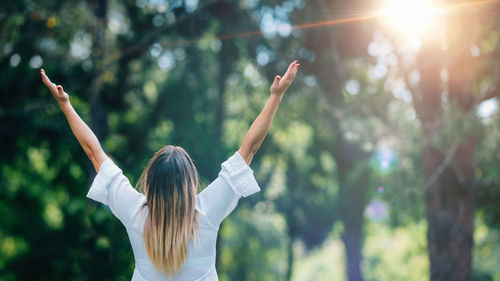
(170, 183)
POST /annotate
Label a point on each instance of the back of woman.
(212, 205)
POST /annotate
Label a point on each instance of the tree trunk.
(352, 182)
(352, 238)
(353, 177)
(449, 200)
(289, 270)
(353, 196)
(98, 115)
(450, 219)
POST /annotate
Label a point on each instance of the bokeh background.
(382, 163)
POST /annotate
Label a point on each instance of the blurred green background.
(382, 163)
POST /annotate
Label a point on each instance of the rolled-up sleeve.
(110, 187)
(235, 180)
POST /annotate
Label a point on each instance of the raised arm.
(258, 131)
(82, 132)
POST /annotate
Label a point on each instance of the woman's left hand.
(57, 91)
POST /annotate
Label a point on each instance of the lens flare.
(380, 189)
(385, 161)
(377, 210)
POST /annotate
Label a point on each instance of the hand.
(280, 85)
(57, 91)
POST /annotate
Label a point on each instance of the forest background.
(383, 162)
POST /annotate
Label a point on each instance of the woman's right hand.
(257, 132)
(57, 91)
(280, 85)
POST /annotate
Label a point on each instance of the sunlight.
(409, 16)
(487, 108)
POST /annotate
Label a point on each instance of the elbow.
(96, 159)
(248, 158)
(254, 148)
(247, 155)
(251, 150)
(90, 154)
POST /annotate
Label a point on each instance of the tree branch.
(442, 167)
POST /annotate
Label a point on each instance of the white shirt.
(213, 204)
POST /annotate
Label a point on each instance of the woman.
(172, 229)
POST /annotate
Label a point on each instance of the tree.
(451, 129)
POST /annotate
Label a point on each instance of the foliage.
(346, 139)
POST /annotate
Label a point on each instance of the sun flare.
(409, 16)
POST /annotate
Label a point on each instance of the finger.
(276, 81)
(45, 78)
(294, 71)
(292, 65)
(290, 71)
(60, 90)
(289, 75)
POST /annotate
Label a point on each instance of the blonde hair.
(170, 184)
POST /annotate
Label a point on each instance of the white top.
(213, 204)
